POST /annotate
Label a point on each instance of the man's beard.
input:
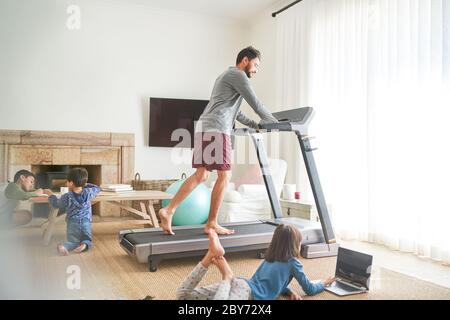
(247, 72)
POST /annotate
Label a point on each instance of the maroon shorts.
(212, 151)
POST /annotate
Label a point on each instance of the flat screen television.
(167, 115)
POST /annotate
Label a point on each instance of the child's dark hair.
(24, 173)
(79, 176)
(285, 244)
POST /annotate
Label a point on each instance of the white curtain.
(377, 72)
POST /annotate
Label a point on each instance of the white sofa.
(246, 198)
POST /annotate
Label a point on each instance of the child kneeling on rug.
(77, 204)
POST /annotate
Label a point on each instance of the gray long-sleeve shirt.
(222, 110)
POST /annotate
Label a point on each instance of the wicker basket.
(160, 185)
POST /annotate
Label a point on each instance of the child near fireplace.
(21, 189)
(77, 204)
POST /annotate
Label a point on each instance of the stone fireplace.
(108, 157)
(54, 176)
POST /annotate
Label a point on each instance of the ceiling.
(236, 9)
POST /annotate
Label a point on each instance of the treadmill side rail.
(267, 177)
(154, 260)
(127, 245)
(316, 188)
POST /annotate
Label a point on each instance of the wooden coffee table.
(146, 198)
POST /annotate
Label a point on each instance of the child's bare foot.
(62, 250)
(218, 229)
(166, 221)
(215, 247)
(224, 268)
(80, 248)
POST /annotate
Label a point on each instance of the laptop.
(353, 270)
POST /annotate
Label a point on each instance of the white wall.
(263, 35)
(100, 77)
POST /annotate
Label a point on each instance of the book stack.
(116, 187)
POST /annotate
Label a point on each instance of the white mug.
(64, 190)
(289, 191)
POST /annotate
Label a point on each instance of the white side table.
(297, 208)
(302, 209)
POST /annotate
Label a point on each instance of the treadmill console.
(299, 115)
(290, 120)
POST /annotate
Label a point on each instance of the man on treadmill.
(212, 143)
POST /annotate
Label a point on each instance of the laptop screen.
(354, 267)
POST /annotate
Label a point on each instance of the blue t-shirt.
(77, 205)
(272, 279)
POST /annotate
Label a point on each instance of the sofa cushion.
(232, 196)
(252, 175)
(230, 185)
(254, 191)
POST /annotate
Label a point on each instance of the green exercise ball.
(195, 207)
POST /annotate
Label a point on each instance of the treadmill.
(152, 245)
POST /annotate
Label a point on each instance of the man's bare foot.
(218, 229)
(62, 250)
(166, 221)
(214, 244)
(80, 248)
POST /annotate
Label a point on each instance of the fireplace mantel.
(114, 152)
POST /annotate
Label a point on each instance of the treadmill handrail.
(302, 117)
(295, 120)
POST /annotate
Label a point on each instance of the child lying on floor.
(270, 280)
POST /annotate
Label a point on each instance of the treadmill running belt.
(197, 233)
